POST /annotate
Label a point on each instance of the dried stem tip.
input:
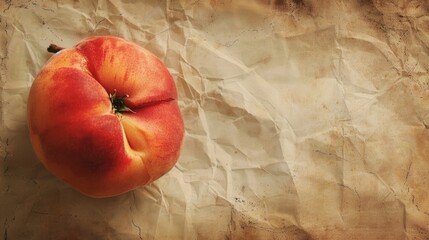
(54, 48)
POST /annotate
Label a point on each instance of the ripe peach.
(103, 116)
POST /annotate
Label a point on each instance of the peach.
(103, 117)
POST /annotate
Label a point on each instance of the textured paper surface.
(304, 120)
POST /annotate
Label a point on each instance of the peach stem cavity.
(118, 103)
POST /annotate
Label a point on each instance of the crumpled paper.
(304, 120)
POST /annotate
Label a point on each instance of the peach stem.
(54, 48)
(118, 103)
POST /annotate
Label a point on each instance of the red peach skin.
(78, 137)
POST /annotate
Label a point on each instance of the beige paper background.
(304, 120)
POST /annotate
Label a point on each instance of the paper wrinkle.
(304, 120)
